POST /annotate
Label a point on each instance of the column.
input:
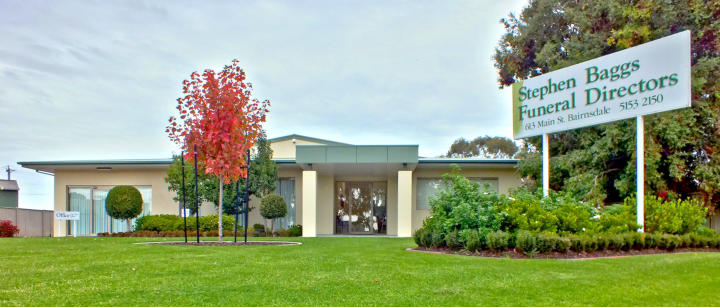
(309, 203)
(404, 206)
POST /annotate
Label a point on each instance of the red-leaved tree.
(218, 116)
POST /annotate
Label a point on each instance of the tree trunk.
(220, 210)
(128, 225)
(272, 227)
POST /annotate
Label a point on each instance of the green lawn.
(335, 272)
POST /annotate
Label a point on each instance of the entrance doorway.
(360, 207)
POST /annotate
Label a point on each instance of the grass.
(335, 272)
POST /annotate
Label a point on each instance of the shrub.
(617, 241)
(527, 243)
(473, 240)
(124, 202)
(601, 242)
(498, 241)
(546, 242)
(422, 237)
(452, 240)
(577, 244)
(295, 230)
(272, 207)
(671, 216)
(652, 240)
(562, 244)
(163, 222)
(7, 229)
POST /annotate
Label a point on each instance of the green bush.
(546, 242)
(273, 207)
(163, 222)
(671, 216)
(601, 241)
(498, 241)
(422, 237)
(473, 240)
(124, 202)
(577, 244)
(295, 230)
(452, 240)
(527, 243)
(562, 245)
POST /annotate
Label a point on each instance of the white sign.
(649, 78)
(67, 215)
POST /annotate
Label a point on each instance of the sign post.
(74, 216)
(646, 79)
(546, 164)
(640, 171)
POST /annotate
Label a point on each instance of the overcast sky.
(99, 79)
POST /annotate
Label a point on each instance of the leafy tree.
(272, 207)
(219, 118)
(487, 147)
(124, 202)
(597, 164)
(263, 180)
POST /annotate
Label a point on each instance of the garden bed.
(226, 243)
(573, 255)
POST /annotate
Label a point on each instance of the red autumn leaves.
(220, 117)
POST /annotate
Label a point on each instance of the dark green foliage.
(124, 202)
(498, 240)
(295, 230)
(488, 147)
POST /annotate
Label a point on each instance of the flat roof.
(355, 155)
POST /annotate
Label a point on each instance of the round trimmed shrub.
(527, 243)
(498, 240)
(124, 202)
(272, 207)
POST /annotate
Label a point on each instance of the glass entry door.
(360, 207)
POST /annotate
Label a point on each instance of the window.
(286, 189)
(90, 202)
(427, 187)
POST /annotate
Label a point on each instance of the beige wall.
(285, 149)
(162, 202)
(326, 205)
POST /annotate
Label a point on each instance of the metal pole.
(197, 203)
(74, 228)
(640, 171)
(237, 206)
(546, 164)
(247, 193)
(184, 212)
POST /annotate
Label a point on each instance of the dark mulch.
(516, 254)
(225, 243)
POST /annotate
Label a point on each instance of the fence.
(30, 222)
